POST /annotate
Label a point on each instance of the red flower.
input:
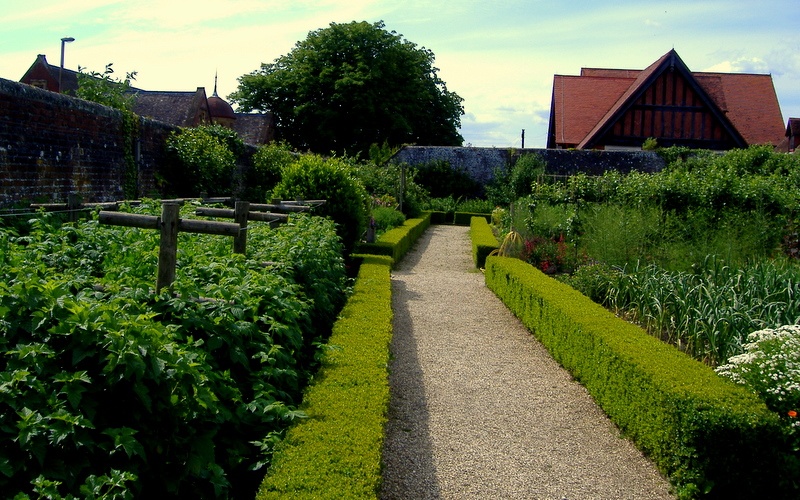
(792, 414)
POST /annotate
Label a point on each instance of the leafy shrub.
(476, 206)
(770, 366)
(386, 218)
(512, 183)
(202, 162)
(313, 177)
(265, 173)
(114, 389)
(441, 180)
(447, 204)
(386, 179)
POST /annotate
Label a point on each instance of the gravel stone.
(478, 407)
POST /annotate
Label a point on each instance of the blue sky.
(499, 56)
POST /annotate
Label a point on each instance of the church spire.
(215, 85)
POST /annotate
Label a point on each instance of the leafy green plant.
(106, 89)
(109, 389)
(347, 203)
(382, 179)
(265, 173)
(770, 367)
(203, 162)
(441, 180)
(386, 218)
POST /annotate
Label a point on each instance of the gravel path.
(479, 409)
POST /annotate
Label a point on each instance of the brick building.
(620, 109)
(181, 108)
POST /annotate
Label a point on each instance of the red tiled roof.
(584, 105)
(750, 102)
(581, 102)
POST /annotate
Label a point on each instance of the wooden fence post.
(168, 251)
(240, 217)
(73, 205)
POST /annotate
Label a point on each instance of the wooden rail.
(169, 224)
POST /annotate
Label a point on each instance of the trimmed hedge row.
(397, 242)
(483, 240)
(336, 452)
(465, 218)
(456, 218)
(711, 438)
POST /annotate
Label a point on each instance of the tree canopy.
(351, 85)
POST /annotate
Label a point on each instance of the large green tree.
(351, 85)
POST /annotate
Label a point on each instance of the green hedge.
(457, 218)
(483, 240)
(336, 451)
(465, 218)
(398, 241)
(711, 438)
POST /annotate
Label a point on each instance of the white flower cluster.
(770, 366)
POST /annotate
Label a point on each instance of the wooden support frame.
(170, 224)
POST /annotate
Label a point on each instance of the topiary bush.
(313, 177)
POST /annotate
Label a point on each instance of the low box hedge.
(483, 239)
(336, 451)
(398, 241)
(710, 437)
(465, 218)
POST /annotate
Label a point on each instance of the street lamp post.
(64, 41)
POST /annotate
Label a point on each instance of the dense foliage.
(265, 172)
(203, 161)
(110, 390)
(441, 180)
(106, 89)
(347, 203)
(684, 251)
(348, 86)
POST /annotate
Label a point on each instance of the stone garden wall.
(480, 163)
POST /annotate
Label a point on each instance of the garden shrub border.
(336, 451)
(398, 241)
(483, 239)
(710, 437)
(465, 218)
(456, 218)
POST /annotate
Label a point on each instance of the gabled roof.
(793, 127)
(579, 103)
(668, 62)
(584, 108)
(42, 70)
(183, 109)
(50, 73)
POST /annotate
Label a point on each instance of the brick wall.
(52, 145)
